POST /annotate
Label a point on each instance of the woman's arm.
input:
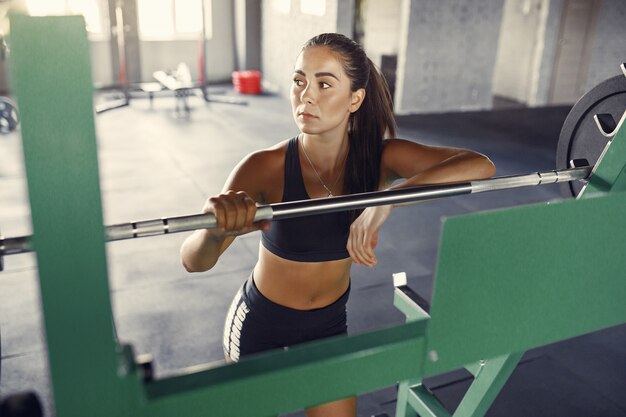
(419, 165)
(234, 213)
(422, 164)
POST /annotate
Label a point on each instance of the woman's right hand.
(234, 213)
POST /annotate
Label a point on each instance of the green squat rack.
(520, 285)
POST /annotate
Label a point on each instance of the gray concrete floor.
(153, 164)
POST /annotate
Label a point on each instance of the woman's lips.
(307, 116)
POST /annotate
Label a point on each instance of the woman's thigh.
(340, 408)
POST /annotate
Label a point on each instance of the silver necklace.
(329, 190)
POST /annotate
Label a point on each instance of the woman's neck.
(325, 152)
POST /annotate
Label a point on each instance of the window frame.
(103, 12)
(176, 35)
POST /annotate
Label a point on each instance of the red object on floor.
(247, 82)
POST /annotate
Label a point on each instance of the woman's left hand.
(364, 234)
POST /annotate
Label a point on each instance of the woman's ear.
(357, 99)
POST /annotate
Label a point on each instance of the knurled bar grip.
(278, 211)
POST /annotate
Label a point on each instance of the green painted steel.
(507, 280)
(487, 384)
(52, 81)
(403, 408)
(408, 307)
(425, 403)
(516, 279)
(303, 376)
(610, 172)
(91, 374)
(489, 378)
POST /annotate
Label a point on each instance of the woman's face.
(321, 99)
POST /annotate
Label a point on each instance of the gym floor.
(155, 164)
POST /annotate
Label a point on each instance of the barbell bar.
(291, 209)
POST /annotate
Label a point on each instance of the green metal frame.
(520, 284)
(489, 378)
(91, 374)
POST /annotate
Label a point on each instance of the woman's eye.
(297, 82)
(324, 85)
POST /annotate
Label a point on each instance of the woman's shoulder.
(396, 147)
(260, 173)
(399, 157)
(398, 143)
(268, 157)
(277, 149)
(405, 148)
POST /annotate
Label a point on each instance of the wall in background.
(153, 55)
(608, 49)
(284, 29)
(381, 27)
(220, 48)
(248, 34)
(447, 55)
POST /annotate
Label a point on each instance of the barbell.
(278, 211)
(589, 127)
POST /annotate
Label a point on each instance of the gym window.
(313, 7)
(282, 6)
(94, 11)
(172, 19)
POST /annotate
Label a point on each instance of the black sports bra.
(315, 238)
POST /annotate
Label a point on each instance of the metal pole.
(278, 211)
(121, 48)
(203, 71)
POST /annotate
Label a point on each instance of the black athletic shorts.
(256, 324)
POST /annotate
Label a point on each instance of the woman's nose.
(307, 95)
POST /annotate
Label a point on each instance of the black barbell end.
(577, 163)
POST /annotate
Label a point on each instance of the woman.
(299, 287)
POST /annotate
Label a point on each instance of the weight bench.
(515, 279)
(151, 89)
(180, 83)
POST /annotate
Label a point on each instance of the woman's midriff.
(301, 285)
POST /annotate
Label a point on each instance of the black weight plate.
(580, 137)
(21, 404)
(8, 115)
